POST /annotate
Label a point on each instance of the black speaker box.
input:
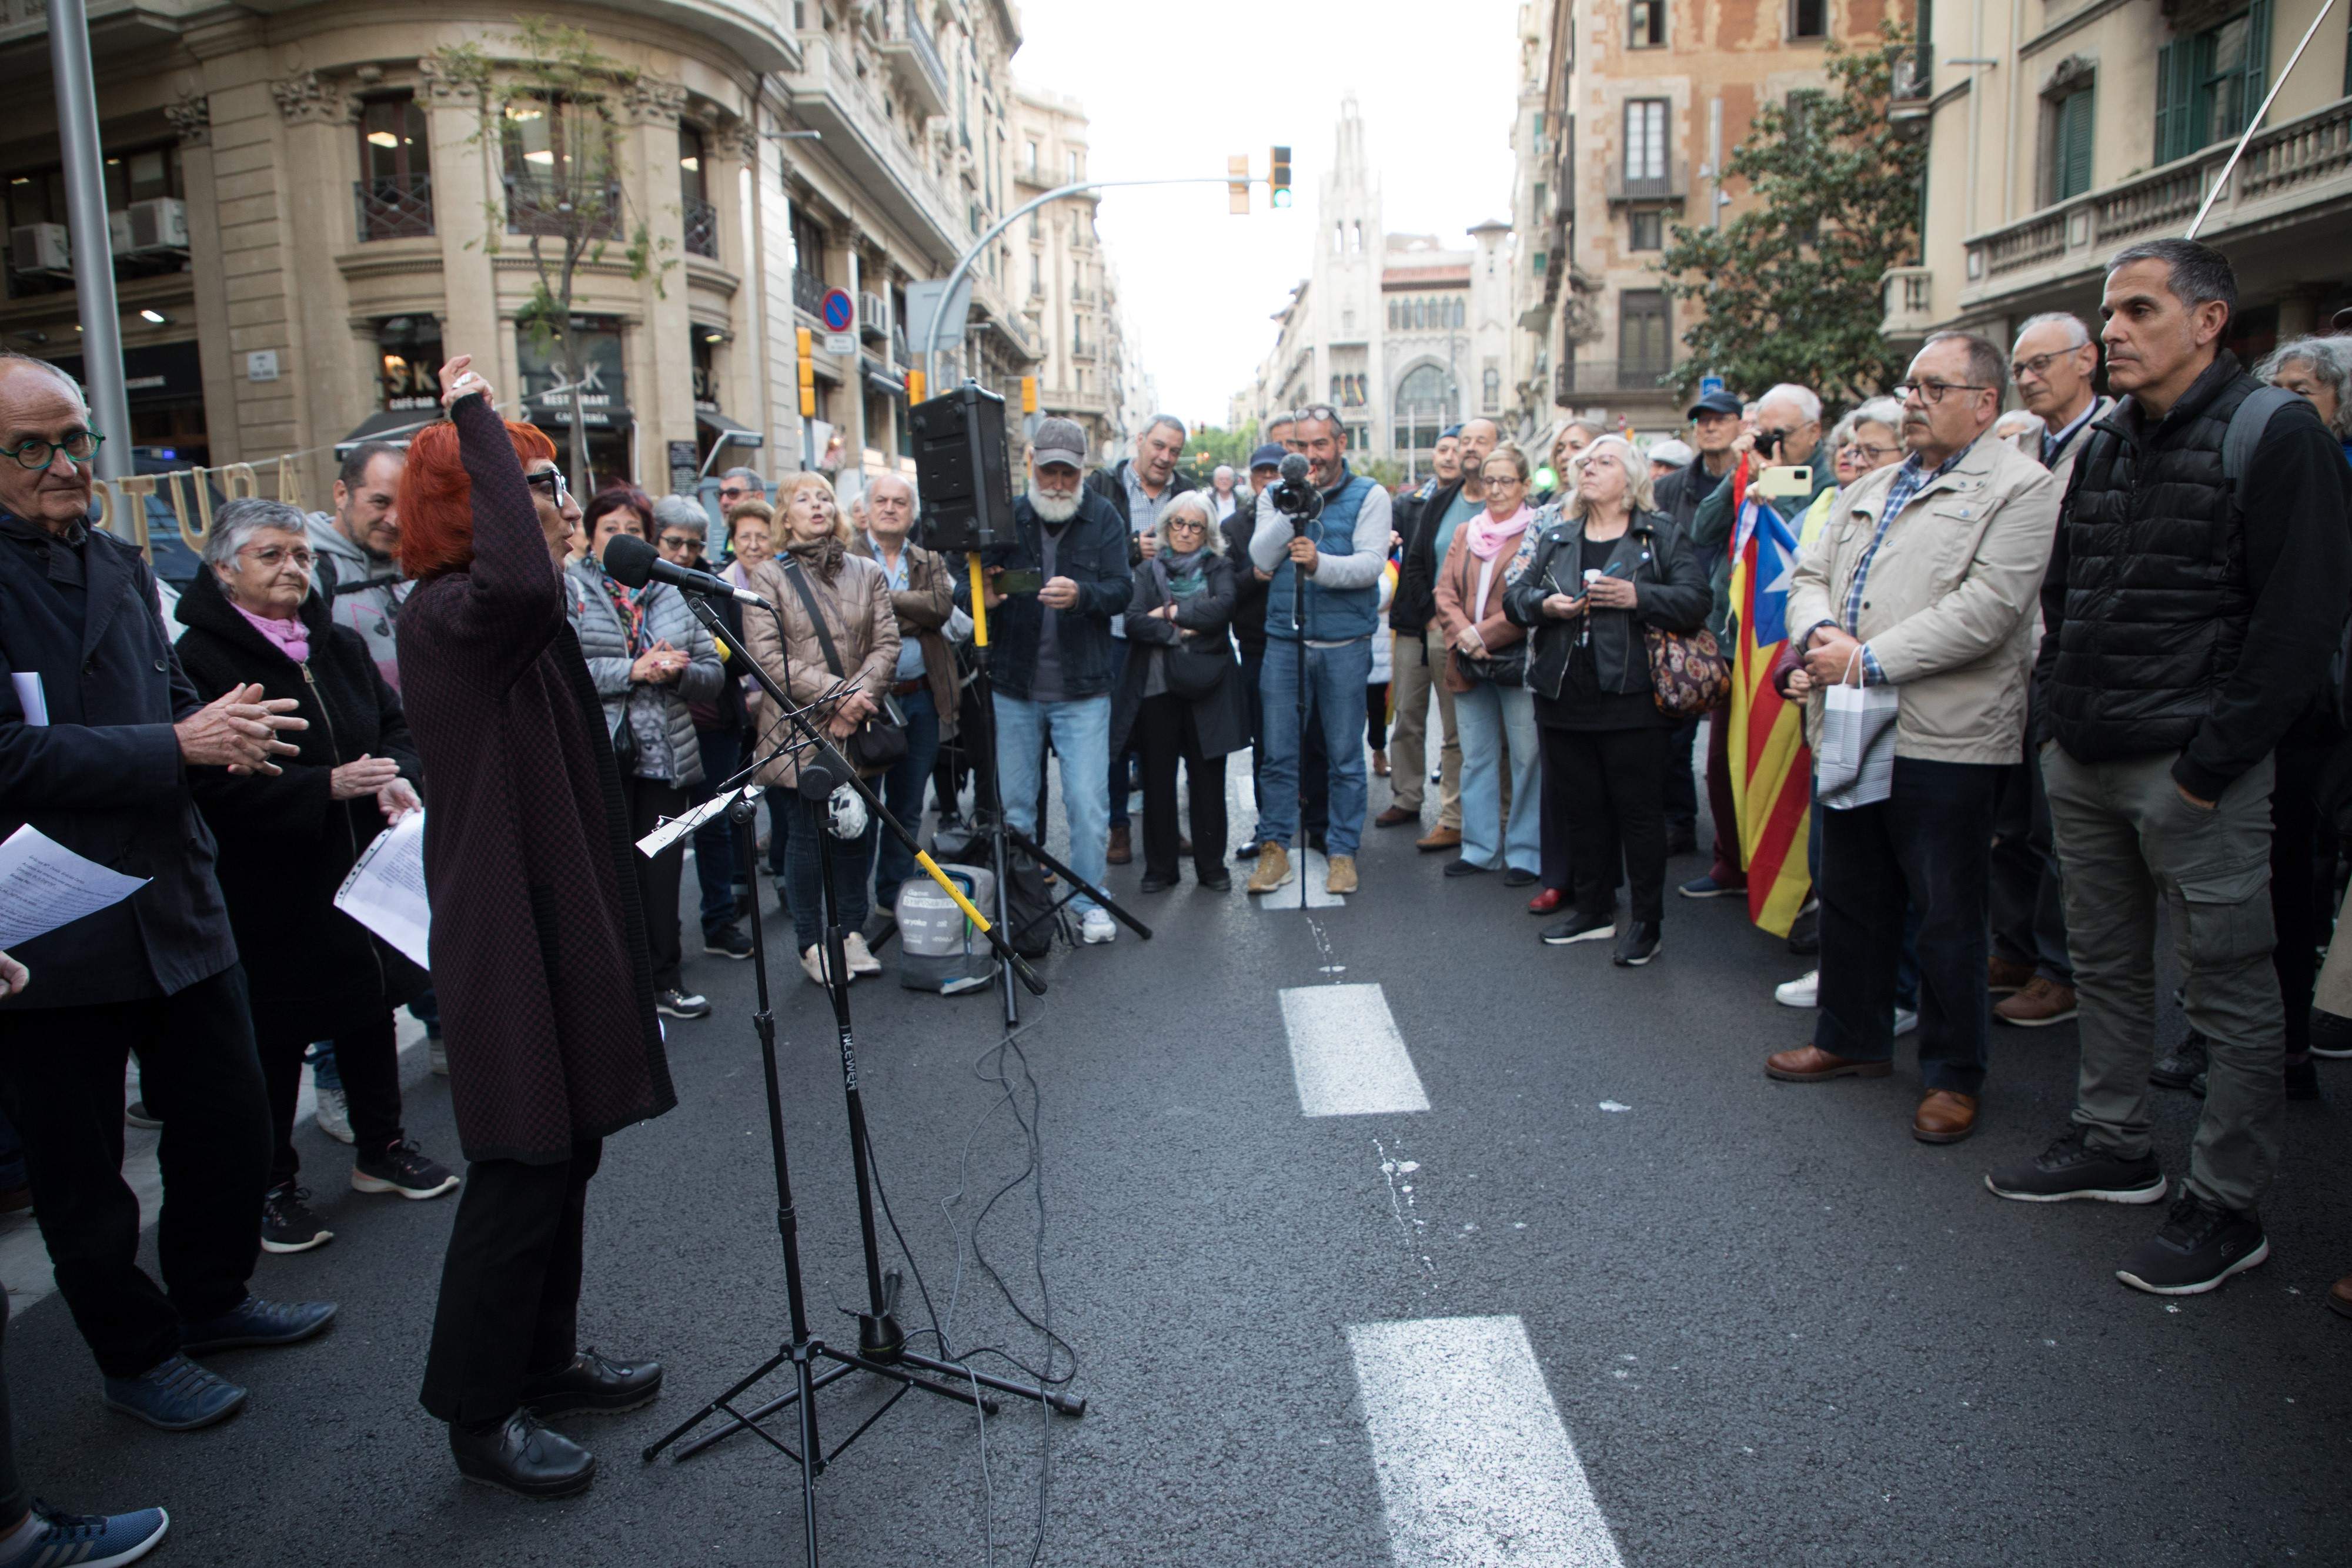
(963, 470)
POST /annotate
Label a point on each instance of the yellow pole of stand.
(979, 603)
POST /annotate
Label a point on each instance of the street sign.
(839, 312)
(923, 303)
(1709, 384)
(841, 343)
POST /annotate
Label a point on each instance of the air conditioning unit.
(873, 319)
(40, 247)
(158, 225)
(118, 230)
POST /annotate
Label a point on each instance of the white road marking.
(1305, 889)
(1346, 1053)
(1476, 1468)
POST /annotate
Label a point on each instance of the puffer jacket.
(856, 598)
(656, 712)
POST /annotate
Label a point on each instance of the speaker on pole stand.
(963, 473)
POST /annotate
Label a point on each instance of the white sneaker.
(813, 962)
(335, 1115)
(861, 960)
(1097, 927)
(1801, 993)
(1905, 1020)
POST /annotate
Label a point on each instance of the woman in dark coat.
(539, 944)
(1183, 700)
(287, 842)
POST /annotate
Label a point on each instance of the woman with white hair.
(287, 842)
(1589, 589)
(2321, 370)
(1180, 696)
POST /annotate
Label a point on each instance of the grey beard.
(1050, 507)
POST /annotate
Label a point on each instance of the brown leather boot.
(1438, 838)
(1119, 852)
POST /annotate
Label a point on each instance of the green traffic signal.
(1278, 176)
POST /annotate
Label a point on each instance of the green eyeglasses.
(81, 446)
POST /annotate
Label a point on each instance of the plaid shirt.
(1909, 480)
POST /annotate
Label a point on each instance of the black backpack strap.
(2247, 427)
(808, 598)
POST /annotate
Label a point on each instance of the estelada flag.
(1772, 766)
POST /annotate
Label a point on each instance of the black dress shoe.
(1217, 882)
(519, 1456)
(1515, 877)
(1465, 868)
(1153, 884)
(596, 1385)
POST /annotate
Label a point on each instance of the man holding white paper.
(1923, 579)
(157, 972)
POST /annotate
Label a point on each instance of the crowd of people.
(2084, 668)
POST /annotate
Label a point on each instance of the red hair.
(436, 510)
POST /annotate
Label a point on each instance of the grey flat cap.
(1060, 441)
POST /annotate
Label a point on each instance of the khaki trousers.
(1417, 670)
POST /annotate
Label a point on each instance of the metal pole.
(2252, 125)
(93, 252)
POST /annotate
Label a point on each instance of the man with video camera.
(1324, 537)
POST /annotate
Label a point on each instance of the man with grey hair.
(1137, 488)
(2052, 364)
(922, 596)
(358, 547)
(1222, 483)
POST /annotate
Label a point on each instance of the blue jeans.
(1336, 677)
(902, 792)
(1080, 731)
(1489, 718)
(714, 841)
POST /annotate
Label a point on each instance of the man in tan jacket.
(1924, 578)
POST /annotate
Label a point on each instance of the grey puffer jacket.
(656, 713)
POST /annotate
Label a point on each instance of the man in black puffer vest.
(2189, 619)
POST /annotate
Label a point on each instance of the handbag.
(1507, 668)
(881, 739)
(1688, 673)
(1855, 760)
(1193, 671)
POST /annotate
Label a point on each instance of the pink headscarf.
(1489, 538)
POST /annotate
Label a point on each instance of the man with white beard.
(1051, 597)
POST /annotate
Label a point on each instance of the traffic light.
(1237, 195)
(1028, 395)
(805, 342)
(1280, 177)
(913, 386)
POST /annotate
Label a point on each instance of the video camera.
(1296, 496)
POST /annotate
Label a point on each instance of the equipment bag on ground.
(938, 947)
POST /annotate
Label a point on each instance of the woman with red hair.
(538, 941)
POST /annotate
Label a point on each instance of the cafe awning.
(396, 425)
(726, 430)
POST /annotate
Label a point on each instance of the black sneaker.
(727, 942)
(1805, 932)
(1580, 928)
(2179, 1067)
(2200, 1245)
(2331, 1035)
(680, 1004)
(287, 1223)
(404, 1169)
(2069, 1168)
(1637, 944)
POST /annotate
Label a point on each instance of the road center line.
(1476, 1468)
(1346, 1052)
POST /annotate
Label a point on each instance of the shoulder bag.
(1193, 668)
(881, 739)
(1688, 673)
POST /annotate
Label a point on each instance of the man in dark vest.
(1322, 611)
(2192, 615)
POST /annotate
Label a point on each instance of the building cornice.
(2069, 24)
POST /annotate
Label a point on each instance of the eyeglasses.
(1876, 454)
(276, 556)
(1188, 524)
(1321, 413)
(551, 481)
(2039, 365)
(81, 446)
(1933, 392)
(684, 544)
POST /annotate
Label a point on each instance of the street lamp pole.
(93, 252)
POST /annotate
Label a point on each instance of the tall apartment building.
(302, 197)
(1064, 288)
(2062, 130)
(1627, 111)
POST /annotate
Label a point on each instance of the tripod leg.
(1036, 851)
(654, 1449)
(1060, 1403)
(739, 1423)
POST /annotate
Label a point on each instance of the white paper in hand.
(43, 885)
(385, 891)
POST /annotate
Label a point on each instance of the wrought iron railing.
(548, 206)
(394, 208)
(702, 230)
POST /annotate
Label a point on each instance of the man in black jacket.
(98, 729)
(1447, 508)
(1715, 431)
(2190, 615)
(1137, 488)
(1414, 674)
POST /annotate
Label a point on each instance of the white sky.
(1176, 90)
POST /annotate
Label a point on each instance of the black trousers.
(650, 800)
(369, 1059)
(1165, 734)
(2295, 870)
(2028, 901)
(1682, 783)
(61, 1084)
(1251, 665)
(1927, 846)
(511, 1285)
(1553, 810)
(1611, 783)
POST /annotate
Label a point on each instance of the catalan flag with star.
(1772, 766)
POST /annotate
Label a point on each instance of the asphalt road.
(1611, 1298)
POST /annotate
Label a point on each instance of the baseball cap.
(1270, 455)
(1451, 432)
(1060, 441)
(1718, 402)
(1678, 452)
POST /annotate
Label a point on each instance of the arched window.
(1335, 389)
(1423, 407)
(1461, 312)
(1493, 389)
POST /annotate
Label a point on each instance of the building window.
(1645, 231)
(1809, 18)
(1491, 387)
(694, 194)
(1335, 389)
(395, 189)
(1425, 406)
(1646, 24)
(1077, 169)
(1646, 140)
(1392, 315)
(560, 169)
(1542, 191)
(2207, 85)
(1644, 333)
(1539, 130)
(2066, 121)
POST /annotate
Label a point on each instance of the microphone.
(632, 563)
(1294, 497)
(1293, 468)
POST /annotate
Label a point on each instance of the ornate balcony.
(1672, 186)
(702, 230)
(1586, 376)
(1910, 302)
(392, 208)
(913, 58)
(537, 206)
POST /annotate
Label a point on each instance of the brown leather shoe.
(2339, 1295)
(2041, 1002)
(1119, 853)
(1811, 1064)
(1437, 839)
(2005, 975)
(1944, 1117)
(1395, 817)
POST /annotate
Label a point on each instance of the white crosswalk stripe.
(1346, 1053)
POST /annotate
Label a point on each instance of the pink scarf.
(1488, 538)
(290, 638)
